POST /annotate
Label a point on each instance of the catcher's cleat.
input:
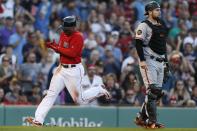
(159, 125)
(33, 123)
(151, 126)
(155, 125)
(139, 122)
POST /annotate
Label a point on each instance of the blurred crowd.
(109, 55)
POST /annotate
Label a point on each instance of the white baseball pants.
(70, 78)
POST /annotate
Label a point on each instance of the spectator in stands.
(12, 96)
(112, 65)
(125, 38)
(194, 94)
(99, 68)
(191, 38)
(42, 17)
(35, 98)
(10, 55)
(138, 5)
(69, 8)
(167, 11)
(21, 14)
(190, 83)
(115, 8)
(94, 57)
(176, 31)
(1, 96)
(93, 17)
(6, 73)
(133, 97)
(46, 65)
(84, 28)
(53, 31)
(195, 68)
(113, 87)
(18, 40)
(102, 8)
(112, 41)
(89, 44)
(28, 73)
(113, 21)
(182, 12)
(6, 31)
(129, 81)
(139, 92)
(32, 45)
(84, 7)
(181, 67)
(22, 100)
(101, 27)
(179, 96)
(194, 21)
(189, 52)
(128, 64)
(99, 46)
(130, 98)
(129, 11)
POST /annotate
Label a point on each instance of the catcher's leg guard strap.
(142, 112)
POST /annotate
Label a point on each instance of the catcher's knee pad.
(154, 92)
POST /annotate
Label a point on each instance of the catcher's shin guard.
(152, 110)
(153, 94)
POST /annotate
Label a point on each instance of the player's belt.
(68, 65)
(157, 58)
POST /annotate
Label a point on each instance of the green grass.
(23, 128)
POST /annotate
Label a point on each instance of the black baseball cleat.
(159, 125)
(139, 122)
(154, 125)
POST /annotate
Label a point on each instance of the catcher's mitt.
(167, 73)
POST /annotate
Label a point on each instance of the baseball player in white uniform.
(69, 74)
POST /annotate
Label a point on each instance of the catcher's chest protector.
(158, 39)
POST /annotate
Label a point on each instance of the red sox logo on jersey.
(65, 45)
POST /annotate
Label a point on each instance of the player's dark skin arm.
(139, 48)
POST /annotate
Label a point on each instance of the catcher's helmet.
(151, 6)
(69, 21)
